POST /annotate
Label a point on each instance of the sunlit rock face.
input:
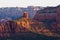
(9, 27)
(25, 15)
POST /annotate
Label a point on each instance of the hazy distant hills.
(11, 13)
(17, 12)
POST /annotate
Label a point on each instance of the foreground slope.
(37, 27)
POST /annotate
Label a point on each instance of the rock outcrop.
(25, 25)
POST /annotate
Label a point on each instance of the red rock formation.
(48, 13)
(8, 27)
(53, 17)
(25, 15)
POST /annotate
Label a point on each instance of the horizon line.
(27, 6)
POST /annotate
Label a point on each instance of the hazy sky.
(24, 3)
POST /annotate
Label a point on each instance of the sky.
(25, 3)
